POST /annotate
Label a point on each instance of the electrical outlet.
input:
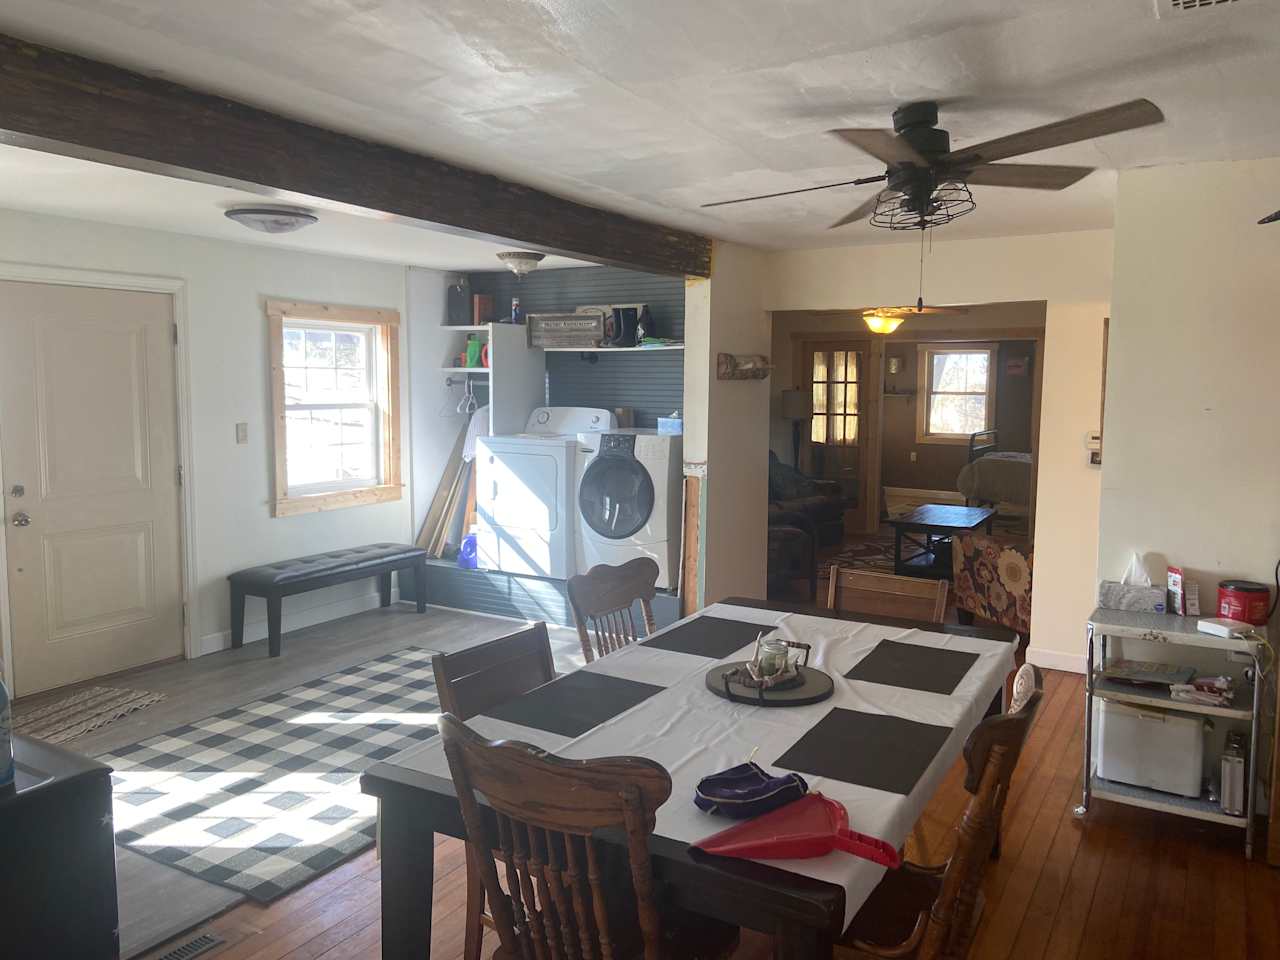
(242, 433)
(913, 456)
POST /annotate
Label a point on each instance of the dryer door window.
(616, 496)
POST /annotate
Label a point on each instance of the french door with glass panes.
(835, 383)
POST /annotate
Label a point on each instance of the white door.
(88, 446)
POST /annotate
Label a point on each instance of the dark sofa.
(822, 502)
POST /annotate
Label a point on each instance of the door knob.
(20, 519)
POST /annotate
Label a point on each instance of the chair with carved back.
(566, 895)
(469, 682)
(603, 601)
(930, 913)
(886, 595)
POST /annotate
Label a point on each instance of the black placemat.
(909, 665)
(575, 703)
(869, 749)
(713, 637)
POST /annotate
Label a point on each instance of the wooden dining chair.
(559, 902)
(469, 682)
(603, 601)
(930, 913)
(886, 595)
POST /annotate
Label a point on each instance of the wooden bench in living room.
(275, 581)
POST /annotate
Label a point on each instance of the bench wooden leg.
(273, 625)
(237, 618)
(420, 585)
(384, 589)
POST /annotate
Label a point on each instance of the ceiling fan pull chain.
(920, 285)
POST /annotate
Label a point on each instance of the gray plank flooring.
(157, 902)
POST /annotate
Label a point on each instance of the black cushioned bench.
(275, 581)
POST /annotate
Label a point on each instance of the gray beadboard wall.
(652, 383)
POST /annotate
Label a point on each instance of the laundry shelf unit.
(520, 381)
(1160, 628)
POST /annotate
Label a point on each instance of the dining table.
(906, 696)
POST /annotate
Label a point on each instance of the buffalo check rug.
(264, 797)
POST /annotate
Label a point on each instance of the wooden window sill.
(336, 500)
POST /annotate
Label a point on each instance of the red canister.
(1244, 600)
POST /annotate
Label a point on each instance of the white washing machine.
(630, 495)
(525, 513)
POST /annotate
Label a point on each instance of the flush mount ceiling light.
(272, 219)
(521, 262)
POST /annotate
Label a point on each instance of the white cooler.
(1150, 748)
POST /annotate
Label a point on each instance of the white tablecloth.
(693, 733)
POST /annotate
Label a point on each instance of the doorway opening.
(867, 428)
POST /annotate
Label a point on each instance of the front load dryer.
(630, 494)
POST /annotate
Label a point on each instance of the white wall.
(1191, 459)
(230, 485)
(434, 406)
(1072, 272)
(726, 420)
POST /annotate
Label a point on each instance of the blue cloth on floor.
(747, 790)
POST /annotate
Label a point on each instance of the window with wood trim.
(835, 397)
(956, 392)
(335, 375)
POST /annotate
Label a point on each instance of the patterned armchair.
(992, 579)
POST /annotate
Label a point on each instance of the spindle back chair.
(930, 913)
(558, 904)
(603, 601)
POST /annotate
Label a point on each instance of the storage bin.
(1150, 748)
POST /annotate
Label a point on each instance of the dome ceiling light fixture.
(521, 262)
(272, 219)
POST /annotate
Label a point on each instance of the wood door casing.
(863, 516)
(88, 424)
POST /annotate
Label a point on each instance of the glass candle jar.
(773, 656)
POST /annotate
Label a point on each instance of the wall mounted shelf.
(674, 346)
(469, 328)
(480, 370)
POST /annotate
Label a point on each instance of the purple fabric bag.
(747, 791)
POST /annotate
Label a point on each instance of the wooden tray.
(814, 687)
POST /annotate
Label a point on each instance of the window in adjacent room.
(835, 397)
(957, 392)
(335, 376)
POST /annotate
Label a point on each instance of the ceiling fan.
(927, 183)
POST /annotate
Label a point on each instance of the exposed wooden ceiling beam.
(62, 103)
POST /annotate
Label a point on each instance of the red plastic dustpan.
(812, 826)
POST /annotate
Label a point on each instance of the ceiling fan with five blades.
(927, 183)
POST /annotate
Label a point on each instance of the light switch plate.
(242, 433)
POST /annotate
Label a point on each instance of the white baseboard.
(1055, 660)
(919, 495)
(255, 630)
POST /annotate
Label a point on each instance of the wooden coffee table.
(937, 522)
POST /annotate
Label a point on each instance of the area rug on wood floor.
(75, 715)
(264, 797)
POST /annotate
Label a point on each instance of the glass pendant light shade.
(878, 322)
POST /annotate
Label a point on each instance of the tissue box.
(1121, 596)
(671, 425)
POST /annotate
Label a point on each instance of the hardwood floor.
(1123, 883)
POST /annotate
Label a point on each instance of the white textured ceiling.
(652, 107)
(69, 187)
